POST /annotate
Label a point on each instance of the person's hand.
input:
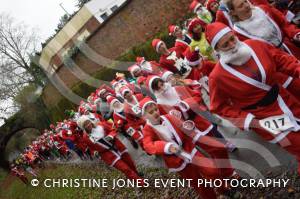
(174, 149)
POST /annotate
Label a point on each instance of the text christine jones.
(158, 183)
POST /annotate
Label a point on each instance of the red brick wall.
(135, 23)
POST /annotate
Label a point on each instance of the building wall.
(135, 23)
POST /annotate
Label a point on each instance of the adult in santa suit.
(177, 141)
(121, 123)
(212, 6)
(182, 41)
(263, 23)
(201, 11)
(223, 15)
(102, 139)
(186, 104)
(173, 60)
(244, 88)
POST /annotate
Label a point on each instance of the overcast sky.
(42, 14)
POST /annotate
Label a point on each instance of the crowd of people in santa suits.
(236, 59)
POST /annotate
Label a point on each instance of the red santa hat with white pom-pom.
(144, 103)
(215, 31)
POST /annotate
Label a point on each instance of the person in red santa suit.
(177, 141)
(244, 88)
(172, 60)
(149, 67)
(121, 123)
(183, 39)
(132, 109)
(101, 139)
(224, 17)
(263, 23)
(213, 6)
(186, 104)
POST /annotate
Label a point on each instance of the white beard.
(237, 56)
(97, 133)
(168, 96)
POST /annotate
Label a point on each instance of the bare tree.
(17, 45)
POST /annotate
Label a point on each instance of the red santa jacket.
(109, 155)
(287, 30)
(134, 120)
(231, 91)
(156, 144)
(169, 64)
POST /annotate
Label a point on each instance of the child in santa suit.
(121, 123)
(182, 41)
(132, 109)
(101, 139)
(177, 141)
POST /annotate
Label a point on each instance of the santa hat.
(111, 100)
(193, 57)
(165, 75)
(140, 60)
(172, 29)
(81, 120)
(144, 103)
(215, 31)
(141, 79)
(81, 110)
(156, 43)
(133, 69)
(209, 3)
(113, 83)
(194, 6)
(194, 22)
(123, 90)
(150, 80)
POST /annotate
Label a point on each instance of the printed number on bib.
(276, 124)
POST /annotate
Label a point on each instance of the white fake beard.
(168, 96)
(237, 56)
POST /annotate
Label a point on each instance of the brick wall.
(135, 23)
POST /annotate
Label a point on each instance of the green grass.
(17, 189)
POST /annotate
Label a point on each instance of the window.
(104, 16)
(114, 8)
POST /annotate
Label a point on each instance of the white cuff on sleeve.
(167, 148)
(248, 120)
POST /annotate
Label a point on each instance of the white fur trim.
(157, 45)
(219, 35)
(167, 148)
(287, 82)
(124, 90)
(150, 83)
(196, 7)
(248, 120)
(182, 166)
(202, 133)
(195, 63)
(146, 104)
(165, 75)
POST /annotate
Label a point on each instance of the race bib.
(277, 124)
(130, 131)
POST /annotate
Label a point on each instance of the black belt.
(268, 99)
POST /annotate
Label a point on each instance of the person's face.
(160, 86)
(227, 42)
(214, 7)
(117, 106)
(241, 9)
(152, 113)
(178, 32)
(162, 48)
(128, 96)
(197, 29)
(88, 126)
